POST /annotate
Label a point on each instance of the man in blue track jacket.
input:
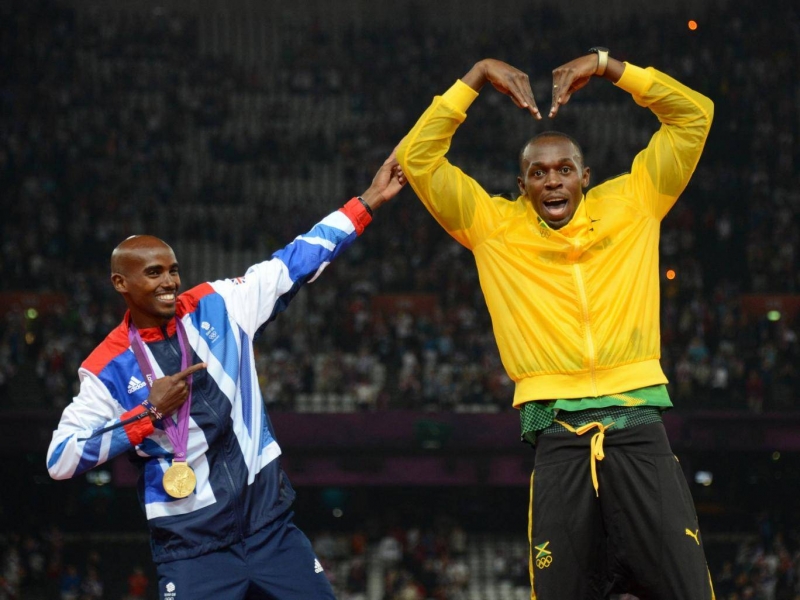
(176, 382)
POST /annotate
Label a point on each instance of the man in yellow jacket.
(572, 285)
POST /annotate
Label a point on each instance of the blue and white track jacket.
(232, 448)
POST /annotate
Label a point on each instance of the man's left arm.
(267, 287)
(662, 170)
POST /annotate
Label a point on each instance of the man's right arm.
(452, 197)
(90, 431)
(506, 79)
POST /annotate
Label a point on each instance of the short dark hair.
(550, 134)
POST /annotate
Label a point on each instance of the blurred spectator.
(137, 584)
(103, 130)
(91, 586)
(70, 584)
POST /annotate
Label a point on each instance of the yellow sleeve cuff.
(460, 96)
(635, 80)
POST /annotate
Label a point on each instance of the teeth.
(166, 296)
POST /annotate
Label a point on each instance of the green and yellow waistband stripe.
(624, 410)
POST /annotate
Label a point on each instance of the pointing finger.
(186, 372)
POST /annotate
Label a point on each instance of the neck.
(148, 321)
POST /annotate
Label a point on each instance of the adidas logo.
(135, 384)
(317, 566)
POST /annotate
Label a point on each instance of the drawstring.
(595, 446)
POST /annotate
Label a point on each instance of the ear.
(521, 185)
(118, 281)
(587, 172)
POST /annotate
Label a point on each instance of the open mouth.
(166, 298)
(557, 207)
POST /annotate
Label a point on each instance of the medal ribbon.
(178, 433)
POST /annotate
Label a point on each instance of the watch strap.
(602, 59)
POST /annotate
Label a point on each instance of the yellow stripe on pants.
(530, 538)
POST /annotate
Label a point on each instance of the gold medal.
(179, 480)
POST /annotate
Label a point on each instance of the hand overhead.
(506, 79)
(572, 76)
(567, 79)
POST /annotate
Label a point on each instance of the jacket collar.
(151, 334)
(580, 222)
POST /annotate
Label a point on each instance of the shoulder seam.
(110, 348)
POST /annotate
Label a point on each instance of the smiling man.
(571, 281)
(145, 271)
(175, 383)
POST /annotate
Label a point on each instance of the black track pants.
(640, 535)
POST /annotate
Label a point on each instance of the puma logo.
(693, 535)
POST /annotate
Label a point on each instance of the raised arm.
(661, 171)
(456, 200)
(267, 287)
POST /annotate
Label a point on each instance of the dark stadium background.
(227, 128)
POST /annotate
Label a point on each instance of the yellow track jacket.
(575, 311)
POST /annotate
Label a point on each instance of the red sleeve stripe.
(188, 301)
(138, 429)
(115, 344)
(357, 214)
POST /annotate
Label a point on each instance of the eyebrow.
(539, 163)
(174, 265)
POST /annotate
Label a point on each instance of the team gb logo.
(208, 331)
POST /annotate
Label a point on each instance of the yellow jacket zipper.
(587, 325)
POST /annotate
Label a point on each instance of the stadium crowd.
(112, 125)
(439, 562)
(100, 125)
